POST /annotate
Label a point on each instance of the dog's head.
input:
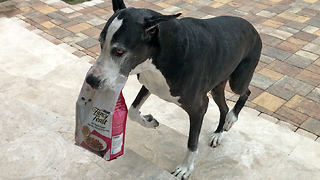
(127, 41)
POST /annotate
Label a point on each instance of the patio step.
(39, 85)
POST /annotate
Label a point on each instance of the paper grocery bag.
(101, 120)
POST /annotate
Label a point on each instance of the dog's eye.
(118, 52)
(153, 30)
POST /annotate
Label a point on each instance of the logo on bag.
(100, 115)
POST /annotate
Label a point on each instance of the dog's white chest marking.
(154, 81)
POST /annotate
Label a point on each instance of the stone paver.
(299, 61)
(87, 43)
(271, 74)
(269, 101)
(92, 32)
(58, 18)
(261, 81)
(304, 106)
(295, 117)
(314, 22)
(289, 47)
(294, 85)
(296, 25)
(309, 77)
(307, 54)
(312, 125)
(281, 92)
(305, 36)
(297, 41)
(284, 68)
(312, 48)
(270, 40)
(58, 32)
(79, 27)
(45, 9)
(48, 24)
(306, 134)
(314, 95)
(289, 71)
(276, 53)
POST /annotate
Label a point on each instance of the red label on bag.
(119, 119)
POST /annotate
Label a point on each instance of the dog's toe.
(181, 173)
(148, 118)
(150, 121)
(216, 139)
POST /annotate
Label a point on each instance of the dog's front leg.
(134, 113)
(196, 114)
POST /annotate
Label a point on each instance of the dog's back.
(208, 51)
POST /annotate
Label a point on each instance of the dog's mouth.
(104, 77)
(106, 83)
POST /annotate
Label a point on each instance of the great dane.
(180, 61)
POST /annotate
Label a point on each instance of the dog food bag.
(101, 120)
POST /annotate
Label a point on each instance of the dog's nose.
(93, 81)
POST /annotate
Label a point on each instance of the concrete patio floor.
(40, 82)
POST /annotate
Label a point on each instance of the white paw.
(182, 172)
(145, 120)
(186, 166)
(216, 139)
(230, 120)
(149, 121)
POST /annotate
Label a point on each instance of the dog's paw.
(149, 121)
(230, 120)
(182, 172)
(216, 139)
(186, 166)
(144, 120)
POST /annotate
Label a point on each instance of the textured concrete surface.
(37, 127)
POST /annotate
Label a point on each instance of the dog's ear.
(118, 5)
(151, 24)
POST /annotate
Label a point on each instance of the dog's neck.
(145, 66)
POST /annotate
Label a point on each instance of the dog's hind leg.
(232, 116)
(239, 82)
(134, 113)
(196, 113)
(219, 98)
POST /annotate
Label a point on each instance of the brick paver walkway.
(286, 84)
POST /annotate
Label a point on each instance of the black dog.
(179, 60)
